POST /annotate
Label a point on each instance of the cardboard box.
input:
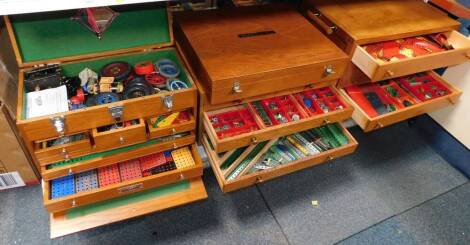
(16, 168)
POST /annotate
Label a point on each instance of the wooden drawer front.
(246, 178)
(116, 138)
(123, 188)
(111, 157)
(378, 70)
(76, 121)
(368, 123)
(261, 132)
(50, 154)
(265, 83)
(172, 129)
(171, 197)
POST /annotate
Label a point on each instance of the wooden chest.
(278, 60)
(357, 26)
(245, 52)
(107, 144)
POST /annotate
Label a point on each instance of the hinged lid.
(379, 20)
(233, 43)
(53, 37)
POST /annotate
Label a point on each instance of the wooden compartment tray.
(368, 123)
(121, 189)
(115, 138)
(45, 153)
(101, 159)
(138, 204)
(261, 132)
(246, 179)
(174, 128)
(378, 70)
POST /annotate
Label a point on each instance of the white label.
(10, 180)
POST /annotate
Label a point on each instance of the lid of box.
(369, 21)
(55, 37)
(244, 41)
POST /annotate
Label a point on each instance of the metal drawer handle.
(315, 17)
(254, 140)
(74, 204)
(379, 125)
(330, 158)
(65, 153)
(175, 146)
(70, 172)
(237, 87)
(168, 102)
(121, 140)
(173, 131)
(326, 121)
(259, 179)
(390, 73)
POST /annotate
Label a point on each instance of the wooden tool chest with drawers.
(117, 159)
(267, 103)
(388, 42)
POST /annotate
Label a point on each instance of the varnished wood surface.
(368, 21)
(61, 226)
(120, 137)
(369, 124)
(378, 70)
(123, 188)
(262, 176)
(79, 120)
(293, 54)
(48, 174)
(266, 133)
(172, 129)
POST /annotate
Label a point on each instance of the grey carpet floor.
(394, 190)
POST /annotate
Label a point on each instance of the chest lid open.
(381, 20)
(53, 37)
(250, 51)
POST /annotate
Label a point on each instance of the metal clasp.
(59, 124)
(237, 87)
(168, 102)
(117, 112)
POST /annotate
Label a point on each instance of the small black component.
(72, 84)
(375, 101)
(44, 77)
(137, 87)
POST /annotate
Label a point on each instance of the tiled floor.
(394, 190)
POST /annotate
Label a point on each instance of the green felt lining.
(73, 69)
(126, 200)
(54, 35)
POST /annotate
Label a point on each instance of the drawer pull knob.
(74, 204)
(326, 121)
(237, 87)
(65, 153)
(168, 102)
(379, 125)
(254, 140)
(173, 131)
(70, 172)
(259, 179)
(181, 176)
(390, 73)
(59, 124)
(330, 158)
(175, 146)
(121, 140)
(329, 70)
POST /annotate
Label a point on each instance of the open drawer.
(106, 158)
(122, 179)
(94, 116)
(119, 135)
(131, 206)
(382, 96)
(272, 117)
(171, 124)
(253, 164)
(432, 56)
(62, 148)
